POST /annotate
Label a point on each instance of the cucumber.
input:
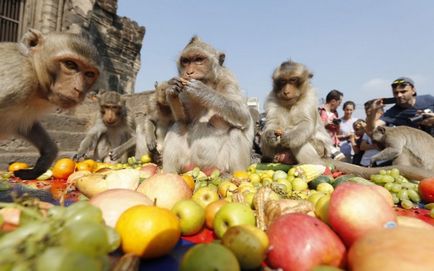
(273, 166)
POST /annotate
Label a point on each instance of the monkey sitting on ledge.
(41, 72)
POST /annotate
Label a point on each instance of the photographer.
(409, 109)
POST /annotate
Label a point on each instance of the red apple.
(148, 170)
(426, 190)
(166, 189)
(210, 211)
(383, 192)
(354, 209)
(299, 242)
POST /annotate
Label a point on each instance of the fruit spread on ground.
(96, 216)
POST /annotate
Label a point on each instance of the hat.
(403, 80)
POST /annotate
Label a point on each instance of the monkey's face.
(194, 65)
(287, 89)
(111, 114)
(72, 80)
(378, 134)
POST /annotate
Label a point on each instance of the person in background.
(346, 130)
(356, 139)
(408, 106)
(330, 118)
(367, 145)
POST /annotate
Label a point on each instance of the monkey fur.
(213, 127)
(112, 128)
(293, 128)
(38, 74)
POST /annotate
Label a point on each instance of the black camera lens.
(337, 121)
(416, 118)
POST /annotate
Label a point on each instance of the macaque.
(213, 127)
(152, 126)
(293, 130)
(294, 133)
(405, 146)
(38, 74)
(112, 128)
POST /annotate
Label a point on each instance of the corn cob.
(308, 171)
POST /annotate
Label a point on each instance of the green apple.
(205, 195)
(232, 214)
(246, 187)
(191, 216)
(279, 174)
(255, 178)
(248, 243)
(226, 188)
(248, 197)
(210, 256)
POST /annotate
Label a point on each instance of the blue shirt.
(398, 116)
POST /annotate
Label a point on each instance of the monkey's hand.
(176, 86)
(152, 145)
(115, 154)
(29, 174)
(271, 138)
(78, 156)
(194, 86)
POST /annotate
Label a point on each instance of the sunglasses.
(400, 83)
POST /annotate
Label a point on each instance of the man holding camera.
(408, 109)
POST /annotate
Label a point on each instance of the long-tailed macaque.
(293, 128)
(38, 74)
(152, 125)
(213, 127)
(293, 131)
(405, 146)
(112, 128)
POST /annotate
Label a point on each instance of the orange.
(148, 231)
(189, 180)
(63, 168)
(17, 166)
(88, 165)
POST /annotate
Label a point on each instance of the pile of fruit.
(264, 216)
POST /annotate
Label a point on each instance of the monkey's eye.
(184, 61)
(199, 60)
(90, 74)
(71, 65)
(280, 83)
(294, 81)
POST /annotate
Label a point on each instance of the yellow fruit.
(189, 180)
(63, 168)
(255, 178)
(241, 175)
(145, 158)
(248, 243)
(315, 197)
(322, 208)
(148, 231)
(298, 184)
(325, 188)
(17, 166)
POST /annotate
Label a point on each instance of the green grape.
(387, 179)
(22, 266)
(19, 235)
(383, 172)
(403, 194)
(395, 198)
(406, 204)
(114, 239)
(396, 188)
(85, 211)
(56, 212)
(407, 185)
(63, 259)
(394, 172)
(86, 237)
(414, 196)
(388, 186)
(376, 178)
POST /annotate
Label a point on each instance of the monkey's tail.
(410, 172)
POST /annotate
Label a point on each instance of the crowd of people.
(352, 136)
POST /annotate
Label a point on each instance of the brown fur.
(213, 127)
(41, 72)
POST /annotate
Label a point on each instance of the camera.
(419, 117)
(336, 121)
(389, 100)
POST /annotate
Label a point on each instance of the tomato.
(426, 190)
(63, 168)
(17, 166)
(57, 188)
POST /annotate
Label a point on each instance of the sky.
(357, 47)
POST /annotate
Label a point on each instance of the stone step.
(27, 157)
(66, 141)
(66, 123)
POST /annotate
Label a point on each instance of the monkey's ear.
(194, 39)
(381, 129)
(31, 39)
(310, 76)
(156, 84)
(222, 57)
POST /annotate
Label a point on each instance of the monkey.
(293, 132)
(405, 146)
(213, 127)
(152, 125)
(112, 128)
(38, 74)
